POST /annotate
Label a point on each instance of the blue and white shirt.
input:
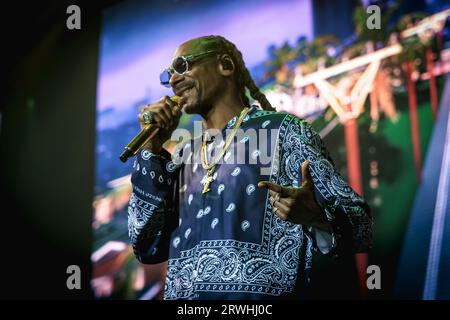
(228, 243)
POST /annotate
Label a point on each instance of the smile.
(182, 91)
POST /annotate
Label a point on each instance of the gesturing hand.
(297, 205)
(166, 114)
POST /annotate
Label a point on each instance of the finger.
(149, 107)
(141, 115)
(167, 109)
(271, 186)
(274, 194)
(289, 200)
(176, 111)
(274, 198)
(307, 180)
(142, 110)
(286, 192)
(280, 213)
(161, 119)
(169, 101)
(286, 201)
(175, 107)
(271, 201)
(157, 110)
(176, 114)
(165, 114)
(282, 207)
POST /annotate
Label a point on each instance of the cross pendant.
(207, 182)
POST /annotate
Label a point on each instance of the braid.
(242, 75)
(255, 92)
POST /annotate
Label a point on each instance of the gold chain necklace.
(210, 167)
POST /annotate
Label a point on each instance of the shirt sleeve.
(153, 206)
(348, 213)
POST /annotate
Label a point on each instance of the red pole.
(355, 181)
(439, 43)
(433, 90)
(412, 99)
(353, 155)
(362, 261)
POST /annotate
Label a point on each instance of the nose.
(175, 78)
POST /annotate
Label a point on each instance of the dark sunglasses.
(180, 65)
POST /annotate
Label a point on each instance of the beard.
(192, 102)
(200, 102)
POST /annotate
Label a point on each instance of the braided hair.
(242, 76)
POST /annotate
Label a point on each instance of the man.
(230, 230)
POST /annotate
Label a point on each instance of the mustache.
(179, 89)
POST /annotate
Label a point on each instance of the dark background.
(47, 142)
(49, 79)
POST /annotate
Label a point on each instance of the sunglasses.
(180, 65)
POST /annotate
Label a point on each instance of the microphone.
(141, 139)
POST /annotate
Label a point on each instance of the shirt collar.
(231, 123)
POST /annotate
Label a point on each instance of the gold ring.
(272, 200)
(275, 209)
(147, 117)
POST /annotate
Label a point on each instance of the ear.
(226, 65)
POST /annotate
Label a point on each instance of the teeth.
(182, 93)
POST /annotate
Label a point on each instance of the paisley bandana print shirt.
(228, 243)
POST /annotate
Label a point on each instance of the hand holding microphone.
(158, 120)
